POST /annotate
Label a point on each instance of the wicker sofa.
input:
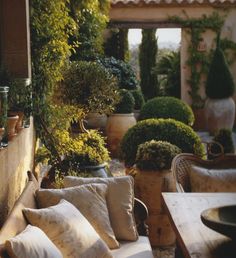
(183, 163)
(16, 223)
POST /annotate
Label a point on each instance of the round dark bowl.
(221, 219)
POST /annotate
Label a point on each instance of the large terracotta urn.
(148, 186)
(220, 113)
(117, 126)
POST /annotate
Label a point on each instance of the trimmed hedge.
(138, 99)
(167, 107)
(170, 130)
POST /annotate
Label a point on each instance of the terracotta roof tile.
(153, 2)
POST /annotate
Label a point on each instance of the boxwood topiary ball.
(169, 130)
(167, 107)
(156, 155)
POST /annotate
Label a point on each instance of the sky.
(164, 35)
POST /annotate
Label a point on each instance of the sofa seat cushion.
(120, 203)
(212, 180)
(69, 230)
(90, 199)
(138, 249)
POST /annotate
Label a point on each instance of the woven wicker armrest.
(181, 166)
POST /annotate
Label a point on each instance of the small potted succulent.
(138, 102)
(153, 162)
(120, 121)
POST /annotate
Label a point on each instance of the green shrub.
(169, 130)
(167, 107)
(220, 82)
(90, 86)
(224, 137)
(156, 155)
(138, 99)
(122, 70)
(126, 104)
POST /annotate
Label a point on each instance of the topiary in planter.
(167, 107)
(224, 137)
(126, 103)
(156, 155)
(138, 99)
(169, 130)
(220, 82)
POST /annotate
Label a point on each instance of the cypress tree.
(147, 61)
(117, 45)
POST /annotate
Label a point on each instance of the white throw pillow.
(212, 180)
(69, 230)
(33, 243)
(120, 203)
(90, 200)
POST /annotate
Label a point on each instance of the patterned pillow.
(33, 243)
(212, 180)
(69, 230)
(90, 200)
(120, 203)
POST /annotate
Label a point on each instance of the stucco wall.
(15, 161)
(158, 16)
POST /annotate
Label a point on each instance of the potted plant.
(83, 155)
(20, 100)
(225, 139)
(3, 111)
(91, 87)
(220, 107)
(120, 121)
(167, 107)
(138, 102)
(153, 176)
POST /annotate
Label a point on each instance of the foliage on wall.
(147, 61)
(91, 17)
(199, 60)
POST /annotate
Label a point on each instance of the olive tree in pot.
(220, 107)
(90, 86)
(153, 176)
(120, 121)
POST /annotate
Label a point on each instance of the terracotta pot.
(148, 187)
(220, 113)
(11, 126)
(117, 126)
(19, 124)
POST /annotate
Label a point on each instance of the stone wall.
(15, 160)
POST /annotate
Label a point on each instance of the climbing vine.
(199, 61)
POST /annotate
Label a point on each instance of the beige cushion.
(212, 180)
(33, 243)
(120, 202)
(90, 200)
(138, 249)
(69, 230)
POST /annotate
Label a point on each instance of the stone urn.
(220, 113)
(96, 121)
